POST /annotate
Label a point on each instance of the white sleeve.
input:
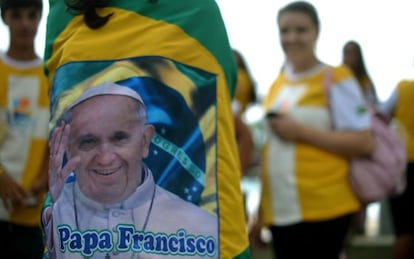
(348, 107)
(387, 107)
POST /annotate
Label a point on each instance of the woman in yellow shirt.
(306, 201)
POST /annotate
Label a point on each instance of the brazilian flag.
(176, 55)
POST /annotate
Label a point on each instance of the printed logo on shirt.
(129, 239)
(20, 111)
(22, 102)
(288, 98)
(361, 110)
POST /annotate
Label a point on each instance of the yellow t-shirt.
(300, 181)
(404, 113)
(24, 102)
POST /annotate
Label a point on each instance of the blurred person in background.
(24, 106)
(245, 94)
(400, 106)
(353, 58)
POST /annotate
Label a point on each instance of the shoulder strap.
(327, 82)
(327, 85)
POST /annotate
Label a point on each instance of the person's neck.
(304, 66)
(22, 53)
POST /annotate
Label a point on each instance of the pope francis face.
(110, 135)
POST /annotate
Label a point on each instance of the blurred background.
(382, 28)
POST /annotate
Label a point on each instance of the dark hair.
(14, 4)
(301, 7)
(359, 70)
(88, 9)
(241, 63)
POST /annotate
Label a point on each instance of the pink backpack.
(381, 175)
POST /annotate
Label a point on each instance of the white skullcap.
(107, 88)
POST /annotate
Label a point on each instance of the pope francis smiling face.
(110, 136)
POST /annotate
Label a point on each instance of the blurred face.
(23, 23)
(111, 142)
(351, 56)
(298, 36)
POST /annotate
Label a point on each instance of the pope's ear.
(149, 131)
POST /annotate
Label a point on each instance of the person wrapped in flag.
(176, 56)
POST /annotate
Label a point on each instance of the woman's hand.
(58, 174)
(285, 127)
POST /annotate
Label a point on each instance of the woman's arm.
(387, 107)
(346, 143)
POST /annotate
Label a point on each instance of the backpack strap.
(327, 85)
